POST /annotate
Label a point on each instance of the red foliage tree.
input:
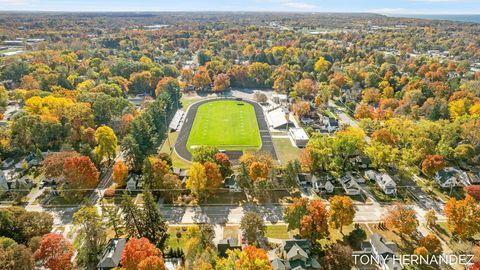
(53, 163)
(55, 252)
(474, 191)
(136, 251)
(314, 225)
(80, 172)
(152, 263)
(214, 177)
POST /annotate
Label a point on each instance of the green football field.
(227, 124)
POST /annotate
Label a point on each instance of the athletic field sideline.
(227, 124)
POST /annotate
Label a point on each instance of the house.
(293, 254)
(112, 254)
(384, 251)
(350, 186)
(7, 163)
(327, 124)
(227, 244)
(362, 162)
(181, 173)
(133, 182)
(231, 183)
(447, 177)
(280, 98)
(383, 180)
(304, 179)
(322, 183)
(299, 136)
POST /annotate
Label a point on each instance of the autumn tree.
(224, 164)
(401, 218)
(21, 225)
(154, 171)
(432, 164)
(136, 251)
(314, 225)
(203, 154)
(294, 213)
(250, 258)
(221, 82)
(305, 87)
(167, 84)
(54, 252)
(463, 217)
(381, 154)
(53, 163)
(120, 173)
(432, 244)
(197, 180)
(198, 244)
(341, 212)
(338, 257)
(106, 143)
(201, 79)
(321, 65)
(301, 108)
(80, 173)
(214, 176)
(474, 191)
(252, 226)
(16, 257)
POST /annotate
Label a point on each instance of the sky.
(376, 6)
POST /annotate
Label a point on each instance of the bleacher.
(177, 120)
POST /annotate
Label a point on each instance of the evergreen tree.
(132, 217)
(155, 227)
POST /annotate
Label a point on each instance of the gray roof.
(296, 251)
(381, 245)
(112, 253)
(303, 243)
(278, 264)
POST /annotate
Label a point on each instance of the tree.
(341, 212)
(133, 217)
(289, 177)
(113, 218)
(80, 173)
(92, 236)
(54, 252)
(18, 224)
(53, 163)
(214, 177)
(152, 263)
(402, 218)
(203, 154)
(258, 170)
(432, 164)
(17, 257)
(431, 218)
(250, 258)
(120, 173)
(463, 217)
(474, 191)
(106, 143)
(167, 84)
(421, 251)
(154, 171)
(197, 180)
(347, 143)
(381, 154)
(252, 227)
(221, 82)
(224, 163)
(314, 225)
(140, 82)
(432, 244)
(301, 108)
(154, 225)
(294, 213)
(338, 257)
(321, 65)
(198, 244)
(201, 79)
(137, 250)
(305, 87)
(364, 111)
(260, 97)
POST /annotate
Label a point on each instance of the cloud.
(15, 2)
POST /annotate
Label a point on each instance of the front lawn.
(285, 150)
(277, 231)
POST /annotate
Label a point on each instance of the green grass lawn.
(277, 231)
(285, 150)
(227, 124)
(166, 148)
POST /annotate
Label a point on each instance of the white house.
(299, 136)
(350, 186)
(447, 177)
(384, 251)
(383, 180)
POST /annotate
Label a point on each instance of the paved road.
(181, 144)
(223, 214)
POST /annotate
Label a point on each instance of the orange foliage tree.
(401, 218)
(136, 251)
(80, 172)
(214, 177)
(54, 252)
(463, 217)
(432, 164)
(314, 225)
(120, 173)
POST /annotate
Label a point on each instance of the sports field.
(227, 124)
